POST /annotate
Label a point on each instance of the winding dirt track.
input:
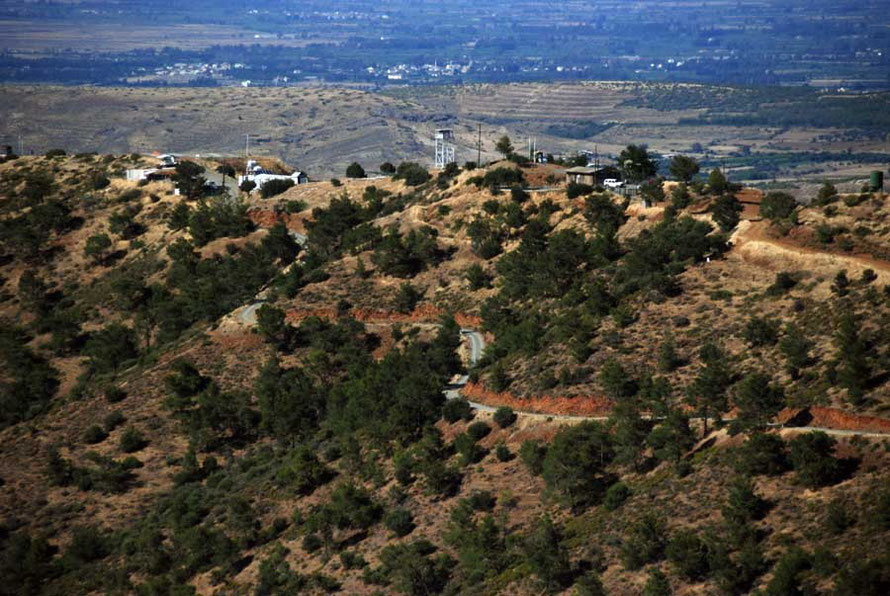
(752, 244)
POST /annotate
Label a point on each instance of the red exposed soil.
(546, 404)
(266, 218)
(833, 418)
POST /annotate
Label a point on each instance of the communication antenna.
(444, 147)
(247, 145)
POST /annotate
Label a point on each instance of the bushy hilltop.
(238, 394)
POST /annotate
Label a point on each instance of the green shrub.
(457, 409)
(132, 194)
(27, 564)
(468, 449)
(574, 465)
(743, 504)
(657, 584)
(275, 187)
(352, 507)
(880, 514)
(352, 560)
(411, 569)
(787, 573)
(29, 381)
(812, 455)
(785, 281)
(132, 441)
(864, 577)
(547, 556)
(295, 206)
(87, 545)
(503, 177)
(777, 205)
(827, 194)
(481, 500)
(491, 206)
(355, 170)
(518, 194)
(726, 211)
(412, 173)
(504, 416)
(644, 543)
(761, 332)
(680, 197)
(837, 517)
(478, 430)
(689, 554)
(302, 471)
(94, 434)
(311, 543)
(111, 347)
(589, 584)
(407, 298)
(399, 521)
(575, 190)
(441, 479)
(113, 420)
(98, 181)
(532, 454)
(616, 495)
(762, 453)
(502, 452)
(96, 247)
(477, 277)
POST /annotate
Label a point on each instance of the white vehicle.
(613, 183)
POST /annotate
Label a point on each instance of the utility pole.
(247, 145)
(479, 145)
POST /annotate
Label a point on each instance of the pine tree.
(707, 394)
(852, 353)
(796, 348)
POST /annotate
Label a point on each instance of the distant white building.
(255, 173)
(168, 160)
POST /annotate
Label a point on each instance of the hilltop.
(234, 394)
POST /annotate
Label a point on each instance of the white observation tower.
(444, 147)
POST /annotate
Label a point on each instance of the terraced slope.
(319, 130)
